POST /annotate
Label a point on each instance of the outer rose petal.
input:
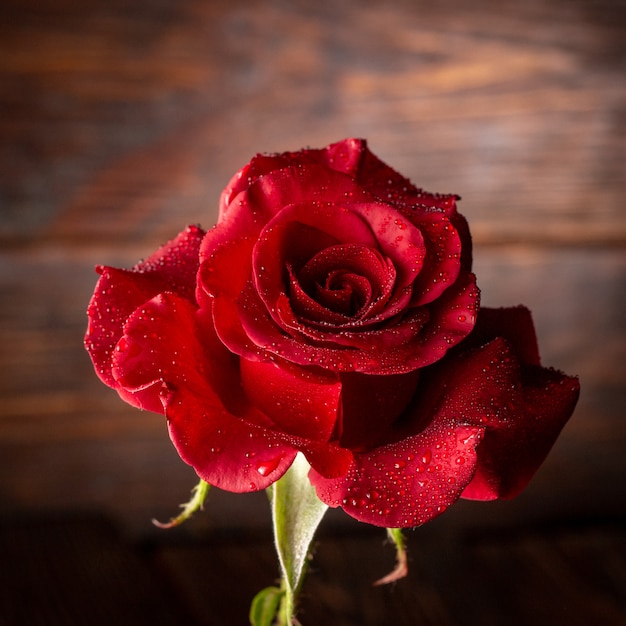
(235, 255)
(170, 360)
(119, 292)
(160, 350)
(407, 483)
(513, 323)
(240, 454)
(350, 156)
(164, 362)
(476, 391)
(334, 157)
(228, 453)
(519, 432)
(509, 457)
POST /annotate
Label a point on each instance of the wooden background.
(121, 121)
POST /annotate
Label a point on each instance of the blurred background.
(120, 123)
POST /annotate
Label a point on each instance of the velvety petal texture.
(332, 311)
(519, 436)
(119, 292)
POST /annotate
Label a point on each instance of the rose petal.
(213, 280)
(452, 317)
(350, 156)
(159, 351)
(390, 186)
(119, 292)
(442, 260)
(226, 452)
(163, 362)
(299, 401)
(462, 228)
(398, 238)
(513, 323)
(407, 483)
(344, 156)
(227, 322)
(509, 457)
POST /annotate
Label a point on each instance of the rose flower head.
(332, 311)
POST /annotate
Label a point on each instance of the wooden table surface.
(120, 123)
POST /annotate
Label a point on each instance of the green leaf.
(265, 606)
(296, 512)
(199, 494)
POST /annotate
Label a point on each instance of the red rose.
(321, 315)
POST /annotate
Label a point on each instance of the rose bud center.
(346, 279)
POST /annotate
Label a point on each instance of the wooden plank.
(515, 577)
(78, 571)
(125, 124)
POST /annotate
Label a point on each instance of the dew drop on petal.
(267, 467)
(130, 348)
(167, 392)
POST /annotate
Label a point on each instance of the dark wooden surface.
(120, 123)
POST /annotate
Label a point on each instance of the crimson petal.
(509, 457)
(120, 291)
(164, 362)
(407, 483)
(299, 401)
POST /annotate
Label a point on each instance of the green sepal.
(199, 494)
(402, 567)
(296, 514)
(265, 606)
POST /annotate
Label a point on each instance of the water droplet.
(131, 348)
(167, 392)
(267, 467)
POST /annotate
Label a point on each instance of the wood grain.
(120, 124)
